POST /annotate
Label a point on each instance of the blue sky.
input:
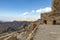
(20, 9)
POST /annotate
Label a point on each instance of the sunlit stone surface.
(47, 32)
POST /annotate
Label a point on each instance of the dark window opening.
(45, 21)
(54, 22)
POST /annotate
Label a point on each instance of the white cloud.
(25, 13)
(33, 11)
(28, 19)
(42, 10)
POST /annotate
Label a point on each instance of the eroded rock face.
(47, 32)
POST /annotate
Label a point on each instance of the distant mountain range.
(13, 26)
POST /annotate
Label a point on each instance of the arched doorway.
(54, 22)
(45, 21)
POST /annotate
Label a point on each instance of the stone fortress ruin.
(52, 17)
(51, 31)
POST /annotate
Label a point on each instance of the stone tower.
(52, 17)
(56, 6)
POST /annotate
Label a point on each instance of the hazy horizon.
(22, 19)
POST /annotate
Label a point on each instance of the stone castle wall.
(56, 5)
(50, 17)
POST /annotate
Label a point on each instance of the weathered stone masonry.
(52, 17)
